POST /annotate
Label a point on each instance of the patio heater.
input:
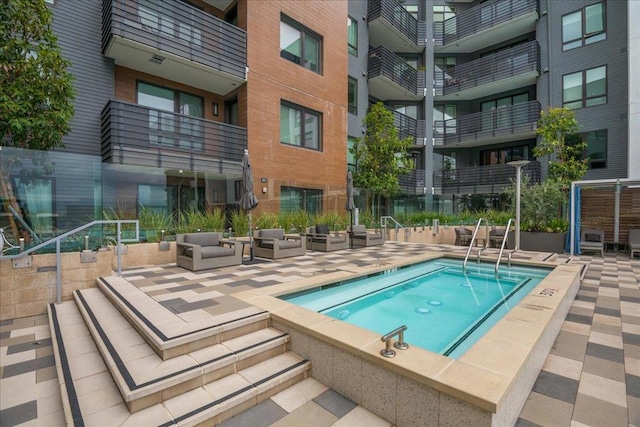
(518, 164)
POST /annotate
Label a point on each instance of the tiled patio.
(591, 377)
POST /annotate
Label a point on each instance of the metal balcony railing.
(175, 27)
(392, 11)
(505, 64)
(481, 17)
(383, 62)
(412, 183)
(497, 176)
(509, 120)
(152, 136)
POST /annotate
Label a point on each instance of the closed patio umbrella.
(249, 199)
(350, 204)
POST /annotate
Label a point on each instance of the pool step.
(91, 396)
(143, 377)
(168, 334)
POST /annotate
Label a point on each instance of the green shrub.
(240, 223)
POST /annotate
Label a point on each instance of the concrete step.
(170, 334)
(91, 397)
(144, 378)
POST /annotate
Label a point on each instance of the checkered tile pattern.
(590, 378)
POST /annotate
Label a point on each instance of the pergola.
(616, 185)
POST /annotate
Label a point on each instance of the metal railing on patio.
(385, 63)
(491, 176)
(394, 13)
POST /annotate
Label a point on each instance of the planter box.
(539, 241)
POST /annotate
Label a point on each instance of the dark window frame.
(584, 37)
(499, 150)
(584, 97)
(304, 33)
(176, 97)
(590, 162)
(352, 107)
(304, 111)
(304, 192)
(353, 49)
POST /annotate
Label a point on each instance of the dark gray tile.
(556, 386)
(6, 322)
(524, 423)
(178, 305)
(184, 287)
(608, 285)
(19, 414)
(5, 335)
(607, 311)
(633, 385)
(629, 299)
(579, 318)
(28, 366)
(335, 403)
(585, 298)
(629, 338)
(605, 352)
(33, 345)
(262, 415)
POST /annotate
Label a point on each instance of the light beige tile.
(155, 415)
(563, 366)
(597, 412)
(546, 411)
(100, 400)
(297, 395)
(606, 339)
(604, 389)
(608, 320)
(576, 328)
(86, 365)
(310, 415)
(361, 417)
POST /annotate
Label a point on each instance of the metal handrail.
(473, 238)
(504, 241)
(59, 238)
(383, 224)
(400, 344)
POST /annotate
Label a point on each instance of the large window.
(503, 116)
(300, 126)
(151, 16)
(352, 35)
(586, 26)
(585, 88)
(445, 13)
(300, 45)
(352, 97)
(595, 151)
(183, 129)
(504, 155)
(293, 199)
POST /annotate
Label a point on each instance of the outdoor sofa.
(201, 251)
(272, 243)
(319, 238)
(362, 237)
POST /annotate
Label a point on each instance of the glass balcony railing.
(515, 63)
(518, 119)
(134, 134)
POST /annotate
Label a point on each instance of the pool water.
(445, 309)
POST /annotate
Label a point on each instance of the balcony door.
(174, 117)
(502, 116)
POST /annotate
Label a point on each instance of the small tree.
(559, 129)
(36, 92)
(380, 155)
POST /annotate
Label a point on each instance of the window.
(445, 14)
(300, 126)
(167, 128)
(596, 150)
(152, 17)
(584, 27)
(503, 116)
(351, 158)
(300, 45)
(352, 97)
(352, 35)
(293, 199)
(412, 9)
(444, 120)
(504, 155)
(585, 88)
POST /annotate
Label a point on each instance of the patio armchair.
(201, 251)
(463, 236)
(360, 236)
(496, 237)
(272, 243)
(319, 238)
(592, 240)
(634, 242)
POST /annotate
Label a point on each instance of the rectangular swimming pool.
(445, 308)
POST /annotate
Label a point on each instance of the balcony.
(482, 179)
(413, 183)
(512, 123)
(392, 78)
(487, 24)
(137, 135)
(390, 24)
(505, 70)
(176, 41)
(408, 127)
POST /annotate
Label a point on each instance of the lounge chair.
(496, 237)
(360, 236)
(592, 241)
(463, 236)
(634, 242)
(272, 243)
(319, 238)
(201, 251)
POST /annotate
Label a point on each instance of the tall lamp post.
(518, 164)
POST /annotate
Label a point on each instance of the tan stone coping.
(482, 376)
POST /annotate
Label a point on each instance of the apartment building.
(169, 93)
(468, 79)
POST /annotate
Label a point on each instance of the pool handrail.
(473, 239)
(504, 241)
(400, 344)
